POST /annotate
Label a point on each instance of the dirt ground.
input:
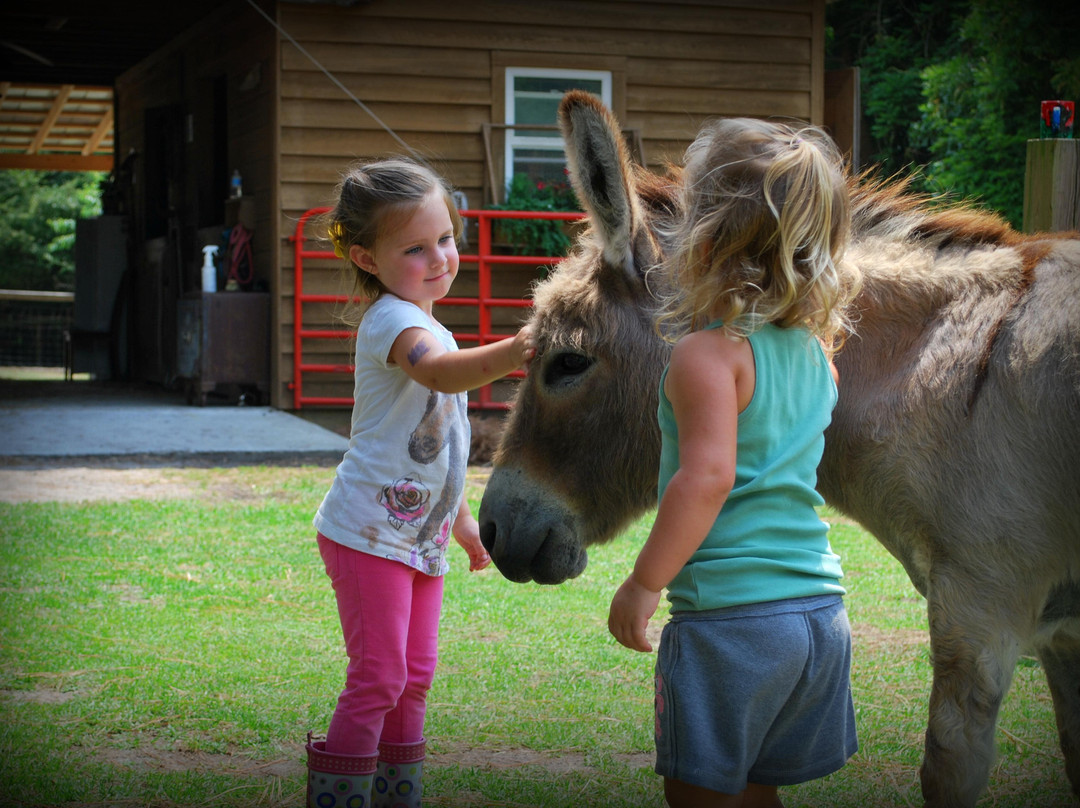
(91, 484)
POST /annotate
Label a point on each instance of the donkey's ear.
(600, 171)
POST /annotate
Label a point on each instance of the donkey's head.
(580, 453)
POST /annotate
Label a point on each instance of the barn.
(284, 94)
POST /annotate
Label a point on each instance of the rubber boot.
(338, 781)
(398, 777)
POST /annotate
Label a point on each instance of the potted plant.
(537, 236)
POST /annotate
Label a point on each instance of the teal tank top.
(768, 543)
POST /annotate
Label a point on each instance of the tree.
(892, 42)
(982, 105)
(951, 90)
(37, 240)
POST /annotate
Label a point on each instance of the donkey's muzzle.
(530, 534)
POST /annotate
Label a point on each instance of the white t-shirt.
(397, 490)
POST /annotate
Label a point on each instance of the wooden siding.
(434, 73)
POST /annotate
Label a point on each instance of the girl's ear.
(363, 259)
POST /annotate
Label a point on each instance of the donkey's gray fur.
(956, 440)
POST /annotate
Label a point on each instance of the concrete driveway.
(49, 423)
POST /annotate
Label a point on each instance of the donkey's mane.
(890, 209)
(881, 208)
(659, 193)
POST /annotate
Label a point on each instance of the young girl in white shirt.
(397, 496)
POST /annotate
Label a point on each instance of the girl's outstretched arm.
(467, 533)
(425, 360)
(703, 384)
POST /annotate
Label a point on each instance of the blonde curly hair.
(765, 223)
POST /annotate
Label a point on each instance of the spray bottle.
(209, 271)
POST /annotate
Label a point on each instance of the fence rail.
(32, 326)
(484, 258)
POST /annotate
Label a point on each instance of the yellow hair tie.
(335, 237)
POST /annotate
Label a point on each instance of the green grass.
(38, 374)
(176, 652)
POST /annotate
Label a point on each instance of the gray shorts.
(758, 693)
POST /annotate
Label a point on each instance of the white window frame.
(515, 141)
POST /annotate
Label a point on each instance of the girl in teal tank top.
(760, 697)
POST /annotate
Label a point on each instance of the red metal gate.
(485, 262)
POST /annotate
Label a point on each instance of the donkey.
(956, 439)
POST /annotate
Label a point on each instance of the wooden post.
(1052, 185)
(843, 114)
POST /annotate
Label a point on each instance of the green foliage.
(891, 43)
(37, 241)
(982, 105)
(536, 236)
(951, 90)
(974, 155)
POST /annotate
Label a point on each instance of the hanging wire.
(334, 79)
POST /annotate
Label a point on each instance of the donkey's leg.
(1061, 661)
(974, 652)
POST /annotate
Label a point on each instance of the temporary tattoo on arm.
(416, 353)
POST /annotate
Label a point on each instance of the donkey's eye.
(565, 367)
(573, 363)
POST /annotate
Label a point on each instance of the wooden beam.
(37, 297)
(50, 119)
(817, 62)
(57, 162)
(99, 133)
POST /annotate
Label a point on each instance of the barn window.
(532, 97)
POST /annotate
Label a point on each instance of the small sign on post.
(1056, 120)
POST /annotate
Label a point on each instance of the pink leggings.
(390, 618)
